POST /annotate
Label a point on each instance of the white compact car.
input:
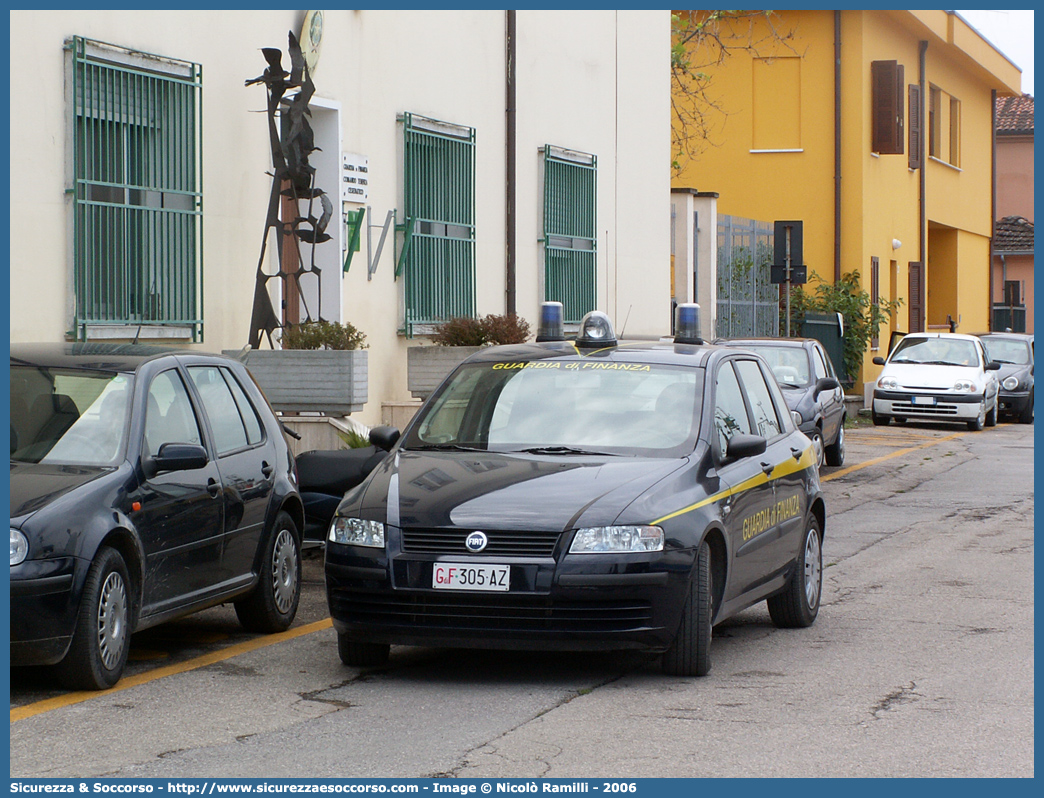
(937, 377)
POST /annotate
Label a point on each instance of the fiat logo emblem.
(476, 542)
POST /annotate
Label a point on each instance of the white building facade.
(140, 172)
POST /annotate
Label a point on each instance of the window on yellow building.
(934, 121)
(776, 104)
(955, 132)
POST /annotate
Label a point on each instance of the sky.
(1011, 32)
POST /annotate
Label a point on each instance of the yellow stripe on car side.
(784, 469)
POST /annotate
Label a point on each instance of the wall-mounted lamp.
(896, 243)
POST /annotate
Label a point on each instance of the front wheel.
(272, 604)
(991, 417)
(798, 605)
(835, 452)
(880, 420)
(817, 446)
(980, 420)
(689, 654)
(101, 640)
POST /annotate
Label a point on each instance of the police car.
(582, 495)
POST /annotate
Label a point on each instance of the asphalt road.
(920, 664)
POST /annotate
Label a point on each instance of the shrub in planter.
(323, 335)
(488, 331)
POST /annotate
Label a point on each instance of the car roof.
(653, 353)
(947, 335)
(91, 355)
(1012, 335)
(765, 341)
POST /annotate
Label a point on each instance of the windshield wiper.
(562, 450)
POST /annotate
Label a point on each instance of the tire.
(835, 452)
(879, 420)
(101, 640)
(357, 654)
(980, 421)
(1026, 416)
(798, 605)
(689, 654)
(817, 447)
(991, 417)
(272, 604)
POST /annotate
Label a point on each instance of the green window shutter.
(570, 231)
(439, 205)
(137, 170)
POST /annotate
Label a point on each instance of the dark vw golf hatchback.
(146, 484)
(582, 495)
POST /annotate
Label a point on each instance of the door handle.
(266, 469)
(796, 452)
(213, 487)
(768, 468)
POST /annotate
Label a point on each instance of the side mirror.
(826, 384)
(384, 437)
(741, 445)
(175, 457)
(993, 365)
(878, 361)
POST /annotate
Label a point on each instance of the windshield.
(1005, 350)
(68, 416)
(936, 352)
(789, 364)
(564, 407)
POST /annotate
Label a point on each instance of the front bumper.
(559, 602)
(45, 597)
(928, 405)
(1012, 403)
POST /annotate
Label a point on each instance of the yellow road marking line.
(896, 453)
(78, 697)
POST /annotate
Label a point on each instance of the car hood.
(1008, 369)
(35, 485)
(487, 490)
(921, 375)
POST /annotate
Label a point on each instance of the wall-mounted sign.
(355, 177)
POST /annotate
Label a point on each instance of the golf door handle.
(266, 469)
(213, 487)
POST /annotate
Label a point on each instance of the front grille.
(928, 410)
(451, 541)
(502, 613)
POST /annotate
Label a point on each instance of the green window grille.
(438, 259)
(570, 231)
(137, 173)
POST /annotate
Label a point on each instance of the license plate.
(468, 576)
(924, 400)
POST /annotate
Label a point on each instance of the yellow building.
(875, 129)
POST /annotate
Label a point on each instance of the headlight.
(19, 547)
(888, 383)
(356, 532)
(964, 386)
(1011, 383)
(609, 539)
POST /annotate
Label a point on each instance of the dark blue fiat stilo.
(583, 495)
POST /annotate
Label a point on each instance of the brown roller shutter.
(916, 126)
(916, 297)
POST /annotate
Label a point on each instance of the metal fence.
(748, 302)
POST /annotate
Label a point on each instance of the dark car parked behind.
(146, 484)
(1014, 352)
(810, 386)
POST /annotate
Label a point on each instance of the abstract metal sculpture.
(292, 141)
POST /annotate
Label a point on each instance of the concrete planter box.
(427, 366)
(311, 380)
